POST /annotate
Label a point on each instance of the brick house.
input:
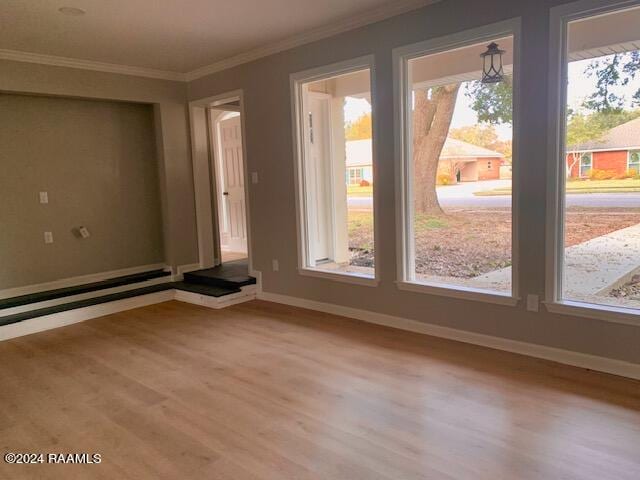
(465, 162)
(617, 151)
(461, 161)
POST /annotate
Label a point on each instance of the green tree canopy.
(492, 102)
(614, 71)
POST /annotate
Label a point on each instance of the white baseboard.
(47, 322)
(567, 357)
(81, 280)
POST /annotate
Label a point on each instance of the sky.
(580, 87)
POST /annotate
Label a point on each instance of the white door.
(233, 184)
(318, 178)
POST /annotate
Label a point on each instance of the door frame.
(326, 120)
(205, 176)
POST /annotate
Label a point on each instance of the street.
(461, 196)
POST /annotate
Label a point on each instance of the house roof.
(458, 149)
(359, 151)
(622, 137)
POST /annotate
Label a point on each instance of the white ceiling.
(174, 35)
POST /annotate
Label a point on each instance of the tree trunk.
(431, 121)
(575, 159)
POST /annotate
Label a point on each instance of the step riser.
(90, 289)
(68, 317)
(5, 312)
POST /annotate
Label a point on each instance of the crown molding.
(388, 10)
(57, 61)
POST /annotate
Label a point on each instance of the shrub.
(365, 183)
(596, 174)
(444, 179)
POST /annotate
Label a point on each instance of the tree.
(432, 114)
(610, 72)
(360, 129)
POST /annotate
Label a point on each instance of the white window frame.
(403, 103)
(629, 167)
(560, 17)
(356, 170)
(296, 81)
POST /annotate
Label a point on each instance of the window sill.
(353, 278)
(607, 313)
(464, 293)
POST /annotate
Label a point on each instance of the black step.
(208, 290)
(228, 275)
(41, 312)
(79, 289)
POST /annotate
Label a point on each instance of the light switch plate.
(254, 177)
(275, 265)
(48, 237)
(44, 197)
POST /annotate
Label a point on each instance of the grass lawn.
(581, 186)
(358, 191)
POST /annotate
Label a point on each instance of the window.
(334, 138)
(456, 210)
(633, 163)
(586, 160)
(356, 176)
(595, 255)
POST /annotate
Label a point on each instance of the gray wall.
(168, 100)
(97, 161)
(269, 151)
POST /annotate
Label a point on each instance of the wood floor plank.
(263, 391)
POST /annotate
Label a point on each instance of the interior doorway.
(229, 178)
(221, 181)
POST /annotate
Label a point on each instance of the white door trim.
(205, 204)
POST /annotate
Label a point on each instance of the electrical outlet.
(275, 265)
(44, 197)
(254, 177)
(48, 237)
(533, 303)
(84, 232)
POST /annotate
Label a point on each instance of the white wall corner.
(178, 275)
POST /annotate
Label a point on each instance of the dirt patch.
(631, 289)
(468, 243)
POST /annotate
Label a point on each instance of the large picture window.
(598, 233)
(457, 167)
(334, 134)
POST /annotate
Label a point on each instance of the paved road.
(461, 196)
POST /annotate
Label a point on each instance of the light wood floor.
(258, 391)
(231, 256)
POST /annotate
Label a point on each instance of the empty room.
(337, 240)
